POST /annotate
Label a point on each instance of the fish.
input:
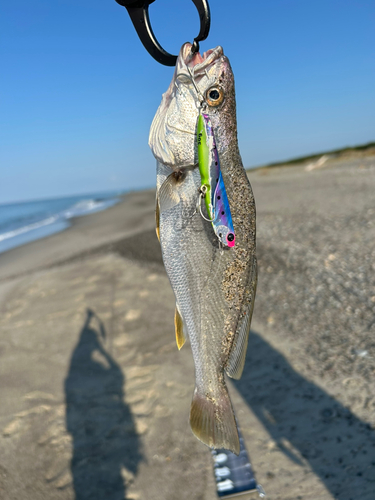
(214, 283)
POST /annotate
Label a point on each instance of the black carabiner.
(138, 12)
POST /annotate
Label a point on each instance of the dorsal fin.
(236, 360)
(157, 218)
(179, 328)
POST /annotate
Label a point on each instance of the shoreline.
(57, 222)
(45, 252)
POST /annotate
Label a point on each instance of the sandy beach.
(95, 395)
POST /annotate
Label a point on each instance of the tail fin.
(212, 421)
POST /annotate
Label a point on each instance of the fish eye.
(214, 96)
(230, 237)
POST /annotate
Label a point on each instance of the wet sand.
(95, 396)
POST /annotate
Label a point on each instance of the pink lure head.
(231, 239)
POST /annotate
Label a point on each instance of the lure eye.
(230, 237)
(214, 96)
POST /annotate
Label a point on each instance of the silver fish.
(214, 285)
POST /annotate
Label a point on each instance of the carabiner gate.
(138, 12)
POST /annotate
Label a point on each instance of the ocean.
(23, 222)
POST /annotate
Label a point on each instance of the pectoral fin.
(236, 360)
(179, 327)
(168, 195)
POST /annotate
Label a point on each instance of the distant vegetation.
(335, 152)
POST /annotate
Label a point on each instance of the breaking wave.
(23, 222)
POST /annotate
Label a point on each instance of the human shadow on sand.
(100, 423)
(308, 425)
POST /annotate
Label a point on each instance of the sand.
(95, 396)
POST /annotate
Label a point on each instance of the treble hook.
(138, 12)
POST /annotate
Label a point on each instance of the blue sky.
(78, 91)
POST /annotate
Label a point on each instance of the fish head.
(197, 78)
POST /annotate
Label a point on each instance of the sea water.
(31, 220)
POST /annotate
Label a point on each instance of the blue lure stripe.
(221, 214)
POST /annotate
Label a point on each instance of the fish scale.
(194, 281)
(214, 285)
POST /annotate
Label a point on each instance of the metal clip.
(138, 12)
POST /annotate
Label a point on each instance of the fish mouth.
(198, 62)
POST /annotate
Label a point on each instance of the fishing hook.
(138, 12)
(202, 194)
(198, 207)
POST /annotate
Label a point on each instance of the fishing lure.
(212, 184)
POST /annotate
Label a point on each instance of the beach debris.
(318, 163)
(361, 353)
(214, 281)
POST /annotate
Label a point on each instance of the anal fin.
(179, 328)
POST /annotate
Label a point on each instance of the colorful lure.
(212, 183)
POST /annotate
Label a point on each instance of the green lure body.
(204, 162)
